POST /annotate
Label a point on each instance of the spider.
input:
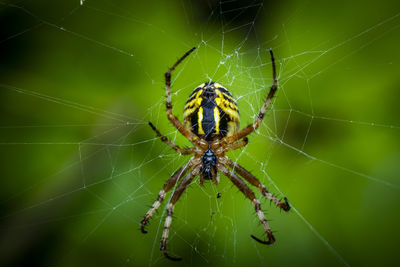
(211, 122)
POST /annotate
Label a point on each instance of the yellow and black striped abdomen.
(211, 112)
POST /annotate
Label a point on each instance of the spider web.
(81, 79)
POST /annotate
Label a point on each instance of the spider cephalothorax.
(209, 161)
(211, 122)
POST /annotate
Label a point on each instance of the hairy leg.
(161, 195)
(182, 151)
(172, 118)
(242, 186)
(252, 127)
(170, 210)
(254, 181)
(237, 145)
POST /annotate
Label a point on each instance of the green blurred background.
(80, 166)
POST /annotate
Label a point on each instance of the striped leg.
(170, 211)
(167, 186)
(254, 181)
(252, 127)
(237, 145)
(250, 195)
(171, 117)
(182, 151)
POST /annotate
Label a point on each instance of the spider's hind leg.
(252, 127)
(171, 117)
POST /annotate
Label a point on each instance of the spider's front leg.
(284, 205)
(170, 210)
(250, 195)
(161, 195)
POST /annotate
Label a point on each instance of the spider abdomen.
(211, 112)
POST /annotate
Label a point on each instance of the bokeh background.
(80, 166)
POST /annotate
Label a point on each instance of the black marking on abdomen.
(223, 122)
(195, 122)
(208, 122)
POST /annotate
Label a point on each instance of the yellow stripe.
(223, 95)
(196, 101)
(224, 101)
(200, 119)
(188, 112)
(190, 108)
(218, 101)
(216, 120)
(199, 99)
(228, 96)
(229, 108)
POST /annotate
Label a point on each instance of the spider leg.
(237, 145)
(244, 188)
(182, 151)
(170, 210)
(254, 181)
(172, 118)
(252, 127)
(161, 195)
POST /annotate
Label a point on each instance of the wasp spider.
(211, 122)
